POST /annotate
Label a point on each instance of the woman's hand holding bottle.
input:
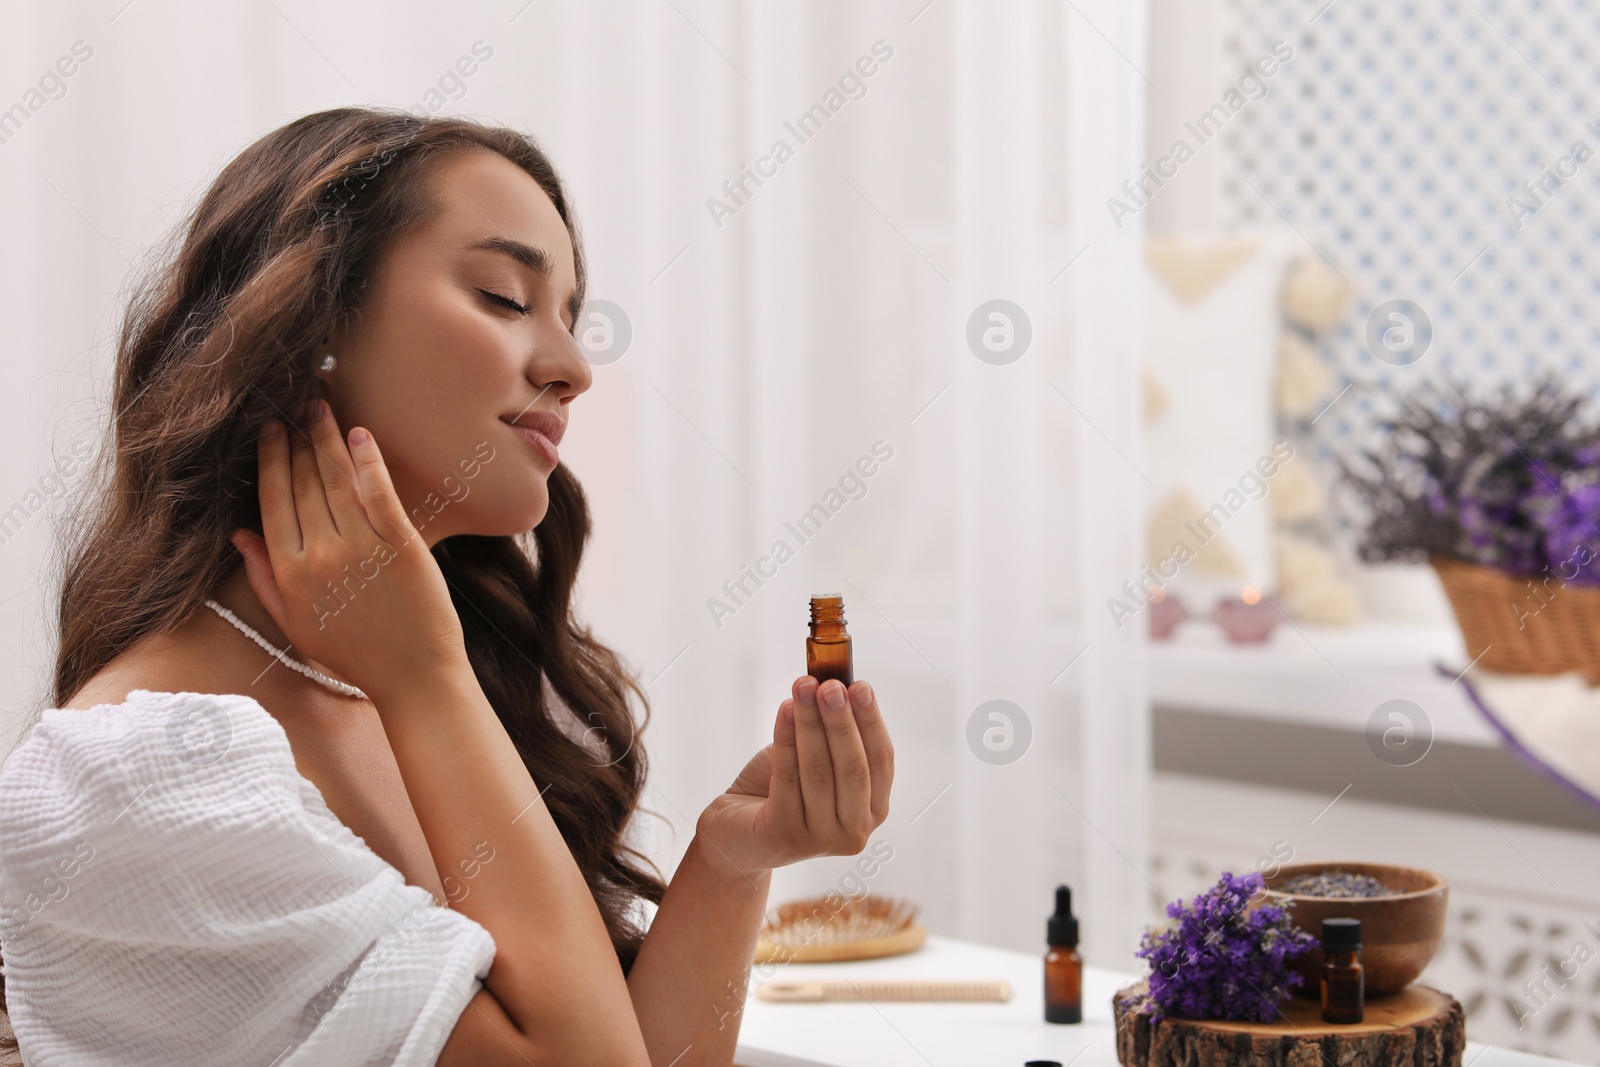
(340, 568)
(819, 789)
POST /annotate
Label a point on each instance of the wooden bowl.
(1399, 933)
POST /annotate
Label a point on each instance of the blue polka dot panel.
(1444, 157)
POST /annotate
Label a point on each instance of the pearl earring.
(328, 362)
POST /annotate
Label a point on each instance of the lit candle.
(1250, 617)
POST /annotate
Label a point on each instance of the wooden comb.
(808, 931)
(904, 989)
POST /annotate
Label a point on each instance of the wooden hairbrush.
(905, 989)
(809, 931)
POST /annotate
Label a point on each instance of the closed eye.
(505, 301)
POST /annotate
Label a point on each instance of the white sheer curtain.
(774, 345)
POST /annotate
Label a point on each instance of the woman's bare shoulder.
(111, 686)
(189, 659)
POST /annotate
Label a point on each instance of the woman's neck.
(236, 594)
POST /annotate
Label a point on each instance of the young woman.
(316, 676)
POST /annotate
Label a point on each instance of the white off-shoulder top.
(174, 891)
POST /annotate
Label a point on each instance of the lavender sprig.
(1223, 958)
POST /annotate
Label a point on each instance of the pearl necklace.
(315, 675)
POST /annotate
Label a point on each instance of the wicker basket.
(1524, 625)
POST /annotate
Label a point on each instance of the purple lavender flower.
(1226, 956)
(1510, 481)
(1566, 511)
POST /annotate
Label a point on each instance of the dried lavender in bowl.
(1335, 883)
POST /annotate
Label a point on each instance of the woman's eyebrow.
(526, 254)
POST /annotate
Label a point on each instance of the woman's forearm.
(688, 981)
(555, 971)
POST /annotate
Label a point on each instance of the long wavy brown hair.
(276, 257)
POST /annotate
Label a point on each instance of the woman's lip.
(539, 441)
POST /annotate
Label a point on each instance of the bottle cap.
(1341, 934)
(1062, 929)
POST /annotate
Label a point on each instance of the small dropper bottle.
(828, 650)
(1063, 967)
(1343, 977)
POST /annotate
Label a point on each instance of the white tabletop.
(951, 1034)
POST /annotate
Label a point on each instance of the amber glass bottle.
(828, 653)
(1063, 967)
(1343, 977)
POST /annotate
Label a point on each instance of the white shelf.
(1319, 675)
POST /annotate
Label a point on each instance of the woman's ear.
(326, 370)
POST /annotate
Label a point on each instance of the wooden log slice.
(1416, 1027)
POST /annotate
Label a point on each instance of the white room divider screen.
(782, 320)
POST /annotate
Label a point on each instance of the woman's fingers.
(816, 765)
(832, 766)
(852, 778)
(338, 476)
(384, 511)
(258, 571)
(783, 792)
(310, 496)
(280, 523)
(879, 749)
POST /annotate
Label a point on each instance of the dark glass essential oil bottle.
(1063, 967)
(1343, 978)
(828, 651)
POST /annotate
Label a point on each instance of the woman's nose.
(581, 375)
(561, 365)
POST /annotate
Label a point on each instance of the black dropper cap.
(1341, 934)
(1062, 929)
